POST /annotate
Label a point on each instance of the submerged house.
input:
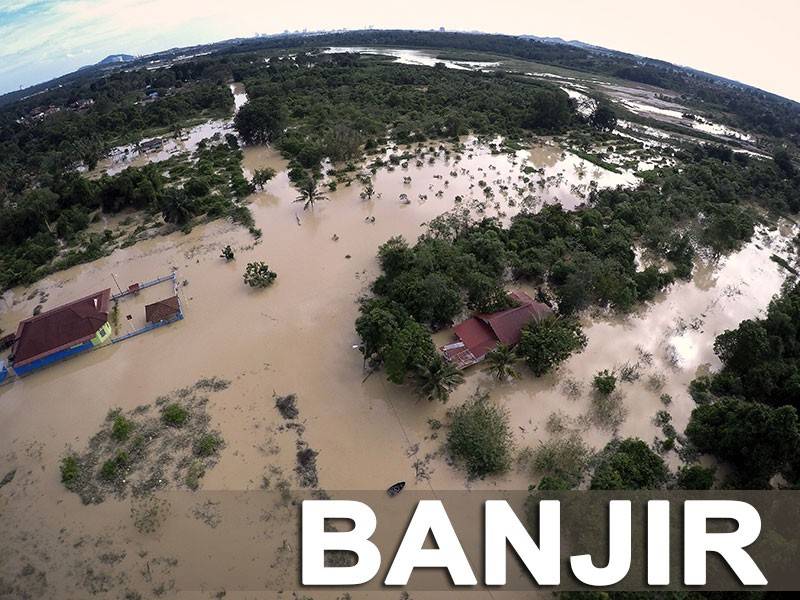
(480, 334)
(61, 332)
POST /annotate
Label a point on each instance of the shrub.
(113, 467)
(258, 275)
(695, 477)
(563, 458)
(207, 444)
(480, 437)
(121, 429)
(174, 415)
(605, 382)
(70, 469)
(629, 465)
(227, 253)
(547, 344)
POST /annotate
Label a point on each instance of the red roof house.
(60, 328)
(480, 334)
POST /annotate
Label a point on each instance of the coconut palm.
(500, 363)
(437, 379)
(309, 194)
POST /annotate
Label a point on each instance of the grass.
(70, 469)
(174, 415)
(121, 429)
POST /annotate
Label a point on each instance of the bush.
(629, 465)
(258, 275)
(695, 477)
(605, 382)
(70, 469)
(480, 437)
(121, 429)
(207, 444)
(174, 415)
(113, 468)
(547, 344)
(562, 458)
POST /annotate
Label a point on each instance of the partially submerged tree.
(480, 437)
(547, 344)
(604, 382)
(437, 378)
(227, 253)
(262, 176)
(629, 465)
(500, 363)
(309, 193)
(258, 275)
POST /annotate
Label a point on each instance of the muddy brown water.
(297, 337)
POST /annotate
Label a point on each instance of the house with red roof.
(479, 335)
(61, 332)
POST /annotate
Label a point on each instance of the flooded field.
(297, 337)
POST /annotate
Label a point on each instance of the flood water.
(297, 337)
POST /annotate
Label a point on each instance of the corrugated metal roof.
(61, 327)
(162, 310)
(481, 333)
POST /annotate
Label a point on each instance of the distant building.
(61, 332)
(483, 332)
(150, 145)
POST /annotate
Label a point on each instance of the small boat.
(396, 489)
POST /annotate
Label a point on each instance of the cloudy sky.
(753, 42)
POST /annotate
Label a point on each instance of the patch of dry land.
(273, 377)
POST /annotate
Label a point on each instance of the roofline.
(105, 296)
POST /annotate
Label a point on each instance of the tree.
(695, 477)
(546, 344)
(605, 382)
(755, 439)
(176, 207)
(309, 194)
(500, 363)
(227, 253)
(480, 437)
(629, 465)
(407, 349)
(261, 121)
(258, 275)
(436, 379)
(262, 176)
(603, 118)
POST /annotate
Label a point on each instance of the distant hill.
(116, 58)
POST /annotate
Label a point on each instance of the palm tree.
(309, 193)
(437, 379)
(500, 363)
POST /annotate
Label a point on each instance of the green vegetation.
(114, 467)
(547, 344)
(70, 470)
(258, 275)
(174, 415)
(227, 254)
(436, 379)
(747, 415)
(695, 477)
(500, 363)
(121, 428)
(605, 382)
(562, 460)
(757, 440)
(629, 465)
(208, 444)
(480, 437)
(35, 226)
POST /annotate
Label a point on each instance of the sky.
(753, 42)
